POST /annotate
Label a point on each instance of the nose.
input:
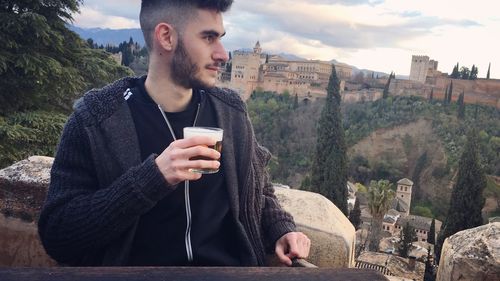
(220, 53)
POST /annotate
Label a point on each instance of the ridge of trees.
(464, 72)
(290, 134)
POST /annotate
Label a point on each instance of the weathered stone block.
(472, 254)
(23, 187)
(332, 234)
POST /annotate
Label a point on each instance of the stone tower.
(421, 67)
(257, 49)
(403, 191)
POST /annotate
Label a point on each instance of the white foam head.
(214, 133)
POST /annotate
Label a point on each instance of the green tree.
(473, 73)
(429, 267)
(450, 93)
(30, 75)
(419, 167)
(385, 93)
(467, 195)
(296, 102)
(461, 106)
(431, 236)
(431, 96)
(446, 91)
(464, 73)
(355, 215)
(380, 196)
(407, 237)
(44, 67)
(488, 73)
(455, 74)
(329, 170)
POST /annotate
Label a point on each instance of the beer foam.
(214, 133)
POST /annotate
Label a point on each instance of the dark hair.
(175, 12)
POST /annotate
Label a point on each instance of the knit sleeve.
(79, 217)
(275, 221)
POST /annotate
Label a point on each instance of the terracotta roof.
(418, 222)
(399, 205)
(405, 181)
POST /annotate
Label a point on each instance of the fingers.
(181, 156)
(292, 245)
(280, 253)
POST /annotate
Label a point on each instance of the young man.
(122, 191)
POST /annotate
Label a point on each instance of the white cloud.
(90, 17)
(374, 34)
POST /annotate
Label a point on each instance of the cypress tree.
(417, 171)
(461, 106)
(429, 267)
(296, 102)
(355, 215)
(329, 169)
(467, 195)
(473, 73)
(488, 74)
(450, 93)
(407, 236)
(455, 73)
(431, 96)
(385, 93)
(445, 98)
(431, 236)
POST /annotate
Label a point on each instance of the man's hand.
(175, 164)
(292, 245)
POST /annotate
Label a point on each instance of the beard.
(184, 70)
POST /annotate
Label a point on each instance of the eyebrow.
(212, 33)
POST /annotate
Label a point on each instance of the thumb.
(280, 253)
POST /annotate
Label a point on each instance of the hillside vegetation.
(387, 139)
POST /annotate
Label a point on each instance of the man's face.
(199, 52)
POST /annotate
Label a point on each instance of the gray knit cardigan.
(99, 187)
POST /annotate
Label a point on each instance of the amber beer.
(214, 133)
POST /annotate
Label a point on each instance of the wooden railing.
(188, 274)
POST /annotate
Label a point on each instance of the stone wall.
(332, 234)
(472, 254)
(481, 91)
(23, 188)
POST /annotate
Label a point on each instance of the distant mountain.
(106, 36)
(366, 72)
(291, 57)
(116, 36)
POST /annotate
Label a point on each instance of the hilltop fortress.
(424, 78)
(254, 70)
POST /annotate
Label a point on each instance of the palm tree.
(380, 196)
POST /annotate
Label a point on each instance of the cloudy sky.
(380, 35)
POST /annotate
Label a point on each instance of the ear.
(165, 36)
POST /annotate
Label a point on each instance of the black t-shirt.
(160, 236)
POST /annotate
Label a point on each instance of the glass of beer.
(215, 134)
